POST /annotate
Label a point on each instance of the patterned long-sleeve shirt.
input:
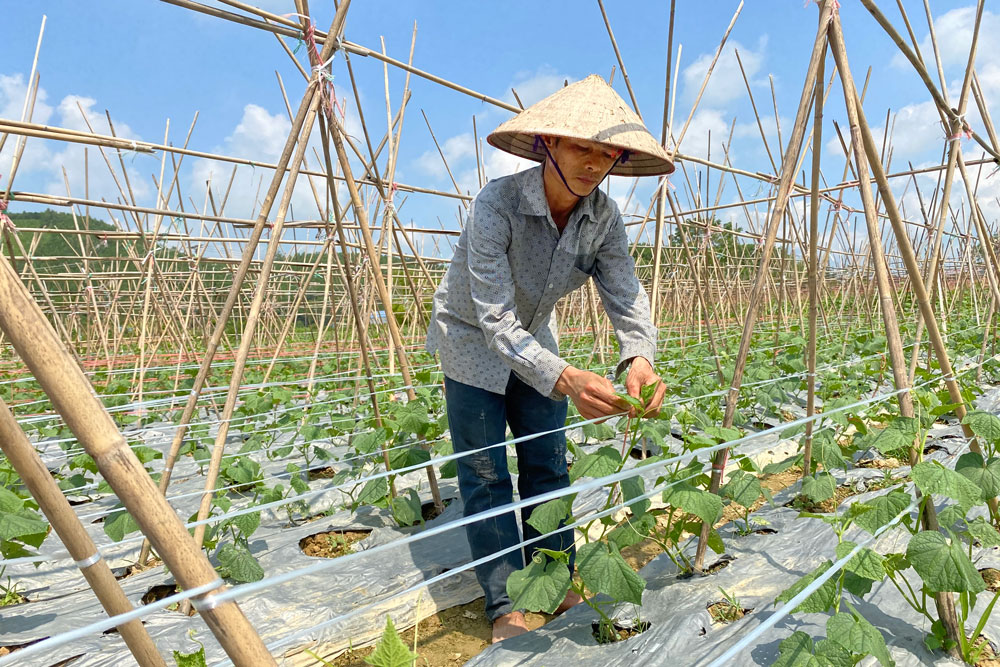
(492, 312)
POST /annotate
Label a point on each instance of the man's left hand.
(640, 374)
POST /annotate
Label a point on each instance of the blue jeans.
(477, 418)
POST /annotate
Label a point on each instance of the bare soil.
(449, 638)
(331, 544)
(724, 612)
(992, 578)
(988, 658)
(881, 464)
(621, 632)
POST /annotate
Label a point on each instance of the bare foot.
(571, 600)
(509, 625)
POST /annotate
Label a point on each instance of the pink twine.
(965, 130)
(4, 218)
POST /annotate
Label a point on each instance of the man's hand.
(640, 374)
(593, 395)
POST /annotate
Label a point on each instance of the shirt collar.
(533, 200)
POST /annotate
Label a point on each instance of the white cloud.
(533, 86)
(726, 82)
(953, 30)
(705, 123)
(13, 91)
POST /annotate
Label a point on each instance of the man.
(531, 239)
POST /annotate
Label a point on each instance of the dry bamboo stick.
(73, 397)
(945, 602)
(786, 181)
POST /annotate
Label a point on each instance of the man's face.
(583, 163)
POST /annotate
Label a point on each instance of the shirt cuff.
(645, 350)
(548, 368)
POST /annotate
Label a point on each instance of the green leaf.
(781, 466)
(723, 434)
(983, 532)
(196, 659)
(605, 461)
(840, 417)
(984, 424)
(368, 442)
(984, 475)
(390, 650)
(890, 440)
(599, 432)
(546, 517)
(119, 524)
(827, 451)
(10, 501)
(411, 417)
(647, 391)
(239, 564)
(884, 509)
(634, 487)
(704, 505)
(866, 563)
(820, 487)
(632, 531)
(857, 635)
(857, 585)
(247, 523)
(742, 488)
(942, 564)
(630, 400)
(373, 491)
(541, 586)
(796, 651)
(406, 508)
(603, 570)
(820, 600)
(832, 654)
(932, 477)
(20, 524)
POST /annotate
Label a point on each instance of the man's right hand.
(593, 395)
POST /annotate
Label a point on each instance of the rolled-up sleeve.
(492, 290)
(624, 298)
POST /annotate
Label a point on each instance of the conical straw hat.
(590, 110)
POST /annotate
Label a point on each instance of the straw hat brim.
(590, 110)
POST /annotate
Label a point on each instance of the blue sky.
(147, 62)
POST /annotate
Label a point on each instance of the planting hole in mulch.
(988, 656)
(720, 564)
(160, 591)
(725, 611)
(322, 473)
(764, 531)
(124, 572)
(828, 506)
(880, 464)
(331, 544)
(935, 448)
(617, 632)
(428, 511)
(992, 578)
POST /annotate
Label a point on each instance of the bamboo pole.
(864, 146)
(817, 148)
(36, 477)
(306, 108)
(787, 179)
(73, 397)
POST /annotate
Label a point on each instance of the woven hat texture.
(591, 110)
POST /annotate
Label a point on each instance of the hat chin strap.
(623, 157)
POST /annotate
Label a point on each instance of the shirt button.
(550, 285)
